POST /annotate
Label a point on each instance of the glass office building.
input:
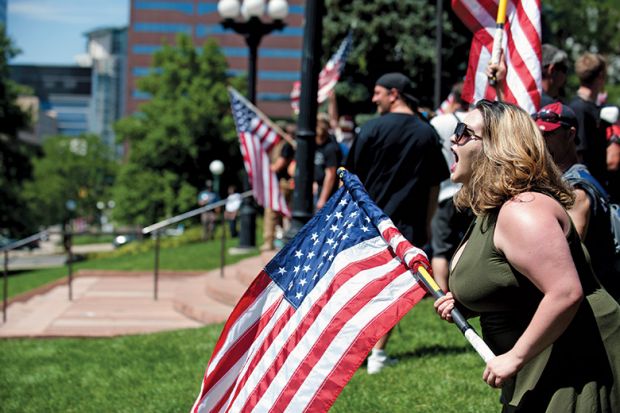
(107, 48)
(64, 93)
(279, 55)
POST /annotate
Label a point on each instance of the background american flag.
(521, 45)
(328, 78)
(257, 139)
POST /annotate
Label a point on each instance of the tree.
(79, 169)
(395, 36)
(14, 154)
(178, 132)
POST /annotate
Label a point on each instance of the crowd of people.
(515, 211)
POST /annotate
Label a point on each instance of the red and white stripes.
(255, 147)
(521, 45)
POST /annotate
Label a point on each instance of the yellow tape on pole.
(501, 11)
(430, 281)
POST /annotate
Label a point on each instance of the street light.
(217, 168)
(245, 19)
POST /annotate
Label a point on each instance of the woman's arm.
(531, 233)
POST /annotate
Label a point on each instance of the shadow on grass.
(433, 351)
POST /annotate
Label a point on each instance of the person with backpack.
(592, 213)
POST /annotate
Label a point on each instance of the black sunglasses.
(463, 131)
(548, 116)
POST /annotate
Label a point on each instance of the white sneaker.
(376, 363)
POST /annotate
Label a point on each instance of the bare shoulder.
(530, 217)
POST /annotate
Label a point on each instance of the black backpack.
(581, 177)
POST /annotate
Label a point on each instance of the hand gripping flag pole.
(412, 257)
(499, 34)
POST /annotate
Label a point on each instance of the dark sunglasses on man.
(463, 133)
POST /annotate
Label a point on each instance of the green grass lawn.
(437, 372)
(183, 254)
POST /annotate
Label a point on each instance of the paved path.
(116, 303)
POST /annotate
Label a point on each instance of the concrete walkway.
(107, 303)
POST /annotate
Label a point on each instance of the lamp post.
(245, 19)
(217, 169)
(306, 122)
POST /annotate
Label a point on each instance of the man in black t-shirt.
(398, 158)
(591, 69)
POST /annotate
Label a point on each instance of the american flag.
(329, 74)
(257, 139)
(521, 44)
(311, 316)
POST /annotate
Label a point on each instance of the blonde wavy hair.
(513, 160)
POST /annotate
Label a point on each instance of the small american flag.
(311, 316)
(257, 139)
(522, 46)
(328, 78)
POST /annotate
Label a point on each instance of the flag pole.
(499, 34)
(264, 117)
(409, 258)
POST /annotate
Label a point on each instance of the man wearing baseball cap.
(590, 213)
(398, 158)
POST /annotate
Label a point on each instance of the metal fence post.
(156, 273)
(5, 293)
(223, 246)
(70, 264)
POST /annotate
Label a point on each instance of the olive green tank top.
(484, 283)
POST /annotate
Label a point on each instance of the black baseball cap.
(401, 83)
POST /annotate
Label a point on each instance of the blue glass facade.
(154, 23)
(64, 93)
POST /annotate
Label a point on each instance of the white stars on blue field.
(301, 264)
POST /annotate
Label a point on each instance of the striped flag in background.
(257, 139)
(328, 78)
(312, 315)
(521, 45)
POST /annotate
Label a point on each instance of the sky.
(52, 31)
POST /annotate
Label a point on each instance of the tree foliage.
(396, 36)
(14, 154)
(583, 25)
(80, 169)
(178, 132)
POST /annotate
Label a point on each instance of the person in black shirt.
(591, 69)
(554, 68)
(398, 158)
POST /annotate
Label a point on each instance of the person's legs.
(378, 358)
(269, 230)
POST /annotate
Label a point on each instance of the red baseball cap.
(555, 115)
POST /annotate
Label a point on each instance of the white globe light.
(216, 167)
(228, 9)
(277, 9)
(252, 8)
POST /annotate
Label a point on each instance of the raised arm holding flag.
(514, 27)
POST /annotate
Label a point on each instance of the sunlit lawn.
(438, 372)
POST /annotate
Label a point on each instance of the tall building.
(64, 93)
(107, 51)
(279, 56)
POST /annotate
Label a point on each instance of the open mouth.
(456, 160)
